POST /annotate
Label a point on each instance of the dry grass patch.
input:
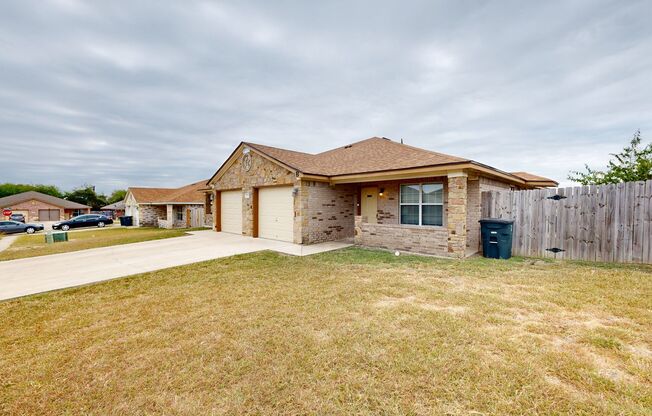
(34, 245)
(353, 331)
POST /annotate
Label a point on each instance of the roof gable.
(373, 155)
(189, 193)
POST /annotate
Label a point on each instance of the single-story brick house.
(115, 210)
(378, 192)
(36, 206)
(169, 207)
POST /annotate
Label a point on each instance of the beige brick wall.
(329, 211)
(473, 216)
(488, 184)
(32, 207)
(456, 215)
(388, 204)
(475, 189)
(425, 240)
(149, 214)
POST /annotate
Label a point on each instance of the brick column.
(170, 216)
(248, 211)
(457, 211)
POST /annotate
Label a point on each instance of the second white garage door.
(231, 211)
(276, 213)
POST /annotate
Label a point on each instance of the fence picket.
(598, 223)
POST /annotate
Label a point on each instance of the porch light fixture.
(382, 190)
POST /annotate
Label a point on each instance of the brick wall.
(388, 204)
(32, 207)
(149, 214)
(425, 240)
(473, 216)
(475, 189)
(488, 184)
(327, 212)
(456, 215)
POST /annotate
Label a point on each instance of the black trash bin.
(496, 237)
(126, 221)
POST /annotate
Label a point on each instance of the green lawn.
(34, 245)
(347, 332)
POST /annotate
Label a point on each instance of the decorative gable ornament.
(246, 162)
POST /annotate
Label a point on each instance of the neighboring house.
(378, 192)
(36, 206)
(115, 210)
(169, 207)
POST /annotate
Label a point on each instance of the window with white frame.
(422, 204)
(179, 213)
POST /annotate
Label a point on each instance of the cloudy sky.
(158, 94)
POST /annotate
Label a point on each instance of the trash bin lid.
(496, 221)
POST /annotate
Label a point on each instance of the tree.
(86, 195)
(634, 163)
(7, 189)
(117, 196)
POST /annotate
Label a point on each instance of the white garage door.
(276, 213)
(231, 212)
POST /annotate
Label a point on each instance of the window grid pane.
(422, 204)
(410, 214)
(410, 194)
(432, 215)
(432, 193)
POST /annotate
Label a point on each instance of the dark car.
(9, 227)
(17, 217)
(86, 220)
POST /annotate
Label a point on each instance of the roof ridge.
(346, 146)
(278, 148)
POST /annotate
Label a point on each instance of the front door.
(369, 207)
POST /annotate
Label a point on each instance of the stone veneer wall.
(327, 212)
(149, 214)
(456, 215)
(263, 172)
(425, 240)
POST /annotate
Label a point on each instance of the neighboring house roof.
(377, 154)
(530, 177)
(115, 206)
(10, 200)
(186, 194)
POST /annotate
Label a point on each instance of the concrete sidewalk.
(6, 241)
(40, 274)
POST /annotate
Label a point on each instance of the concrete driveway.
(40, 274)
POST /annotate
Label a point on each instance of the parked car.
(86, 220)
(9, 227)
(17, 217)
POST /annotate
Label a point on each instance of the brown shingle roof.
(371, 155)
(10, 200)
(531, 177)
(189, 193)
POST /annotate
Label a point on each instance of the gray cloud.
(154, 93)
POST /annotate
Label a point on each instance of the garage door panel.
(276, 213)
(231, 211)
(48, 214)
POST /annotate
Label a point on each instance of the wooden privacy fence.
(610, 223)
(194, 217)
